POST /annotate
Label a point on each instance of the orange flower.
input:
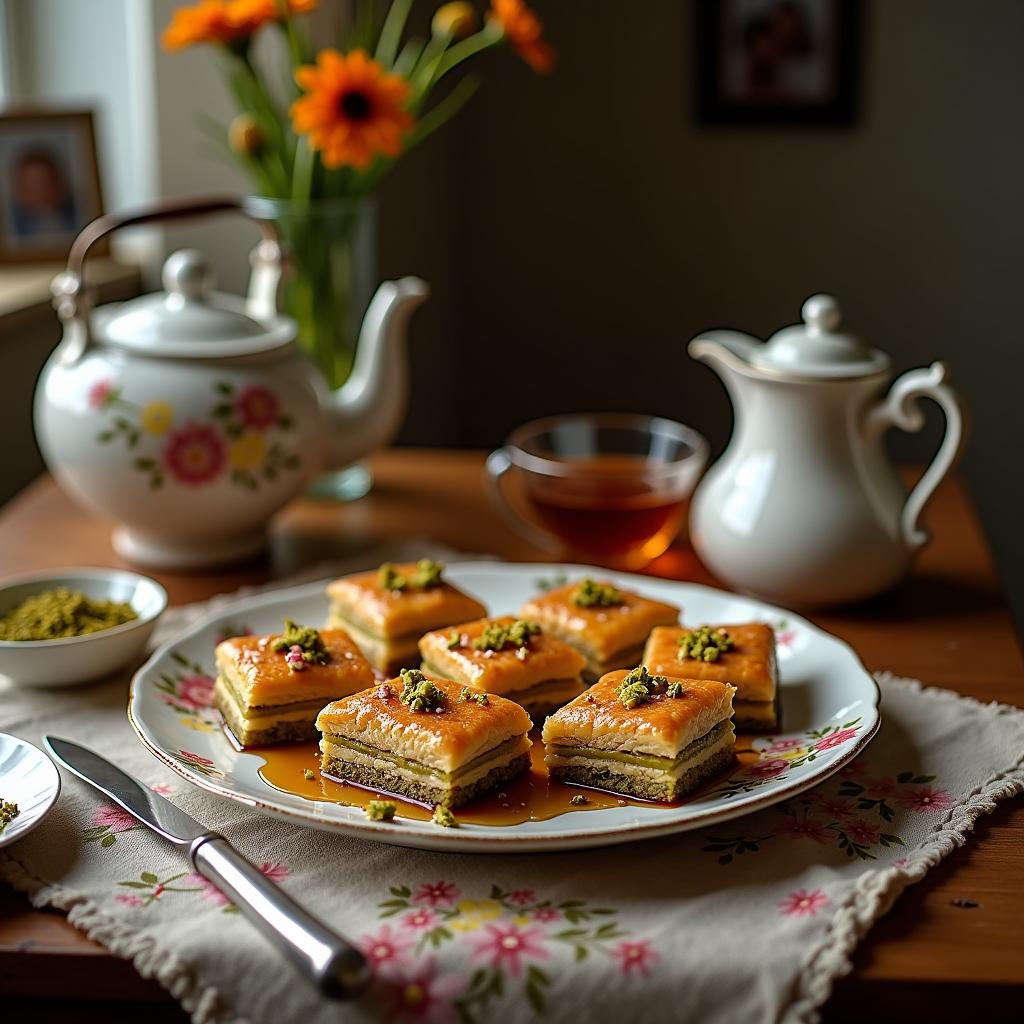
(353, 110)
(249, 15)
(206, 22)
(523, 29)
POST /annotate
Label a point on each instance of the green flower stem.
(443, 112)
(490, 35)
(391, 32)
(302, 172)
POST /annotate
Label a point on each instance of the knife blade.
(326, 959)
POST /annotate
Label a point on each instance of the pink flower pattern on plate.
(836, 739)
(417, 920)
(634, 957)
(768, 768)
(522, 897)
(803, 903)
(925, 799)
(508, 945)
(546, 914)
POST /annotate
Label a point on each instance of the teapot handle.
(900, 409)
(73, 302)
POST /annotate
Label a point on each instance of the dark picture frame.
(50, 185)
(778, 62)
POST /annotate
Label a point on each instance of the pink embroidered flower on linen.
(804, 828)
(881, 787)
(522, 897)
(803, 903)
(767, 769)
(546, 914)
(386, 950)
(836, 739)
(195, 692)
(834, 806)
(128, 900)
(436, 894)
(162, 788)
(854, 768)
(114, 818)
(508, 945)
(924, 799)
(634, 957)
(421, 994)
(210, 893)
(863, 832)
(417, 920)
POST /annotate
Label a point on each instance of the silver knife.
(331, 963)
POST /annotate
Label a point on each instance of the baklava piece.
(388, 610)
(643, 735)
(607, 625)
(424, 739)
(507, 656)
(743, 656)
(270, 688)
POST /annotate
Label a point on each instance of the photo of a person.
(49, 183)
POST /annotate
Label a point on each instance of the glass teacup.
(610, 488)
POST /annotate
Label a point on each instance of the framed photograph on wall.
(49, 182)
(774, 62)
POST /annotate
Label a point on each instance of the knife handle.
(335, 966)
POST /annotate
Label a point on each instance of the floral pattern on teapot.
(239, 438)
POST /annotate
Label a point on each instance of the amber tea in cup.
(608, 488)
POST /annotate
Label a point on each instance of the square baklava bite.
(606, 624)
(430, 740)
(270, 688)
(643, 735)
(388, 610)
(743, 656)
(509, 656)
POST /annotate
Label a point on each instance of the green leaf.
(105, 435)
(401, 890)
(570, 933)
(223, 388)
(924, 778)
(580, 953)
(108, 840)
(220, 411)
(533, 971)
(904, 776)
(148, 876)
(534, 996)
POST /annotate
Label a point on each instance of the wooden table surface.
(932, 957)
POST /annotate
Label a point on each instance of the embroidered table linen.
(748, 920)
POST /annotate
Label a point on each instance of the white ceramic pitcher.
(805, 507)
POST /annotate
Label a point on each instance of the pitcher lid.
(189, 318)
(817, 348)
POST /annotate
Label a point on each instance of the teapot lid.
(189, 318)
(817, 348)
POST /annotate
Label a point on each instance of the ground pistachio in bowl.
(61, 613)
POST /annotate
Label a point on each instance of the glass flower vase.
(331, 267)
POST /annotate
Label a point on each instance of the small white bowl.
(80, 659)
(29, 779)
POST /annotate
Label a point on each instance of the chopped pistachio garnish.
(309, 774)
(578, 800)
(674, 689)
(522, 653)
(380, 810)
(389, 578)
(704, 644)
(639, 686)
(466, 694)
(301, 646)
(496, 636)
(427, 574)
(419, 693)
(454, 640)
(54, 614)
(591, 594)
(443, 817)
(8, 812)
(481, 699)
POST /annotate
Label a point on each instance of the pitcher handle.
(900, 409)
(498, 463)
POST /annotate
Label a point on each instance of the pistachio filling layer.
(653, 761)
(547, 687)
(498, 753)
(269, 710)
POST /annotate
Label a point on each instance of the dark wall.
(587, 226)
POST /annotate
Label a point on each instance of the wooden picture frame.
(50, 185)
(777, 62)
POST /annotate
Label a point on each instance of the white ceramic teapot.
(804, 506)
(190, 416)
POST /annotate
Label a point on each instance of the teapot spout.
(366, 412)
(724, 349)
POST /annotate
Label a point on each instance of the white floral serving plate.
(829, 708)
